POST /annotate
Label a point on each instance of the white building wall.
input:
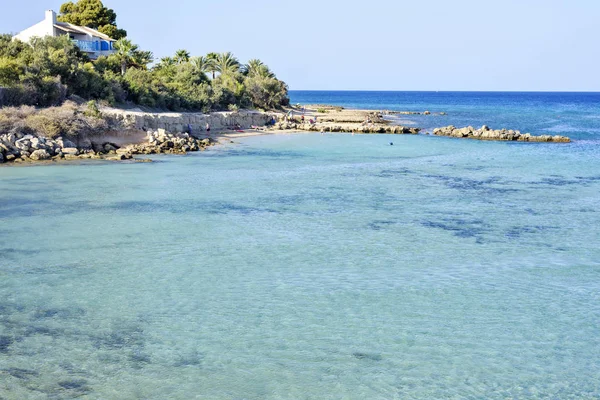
(44, 28)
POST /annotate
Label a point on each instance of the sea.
(310, 266)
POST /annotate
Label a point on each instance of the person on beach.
(207, 127)
(302, 118)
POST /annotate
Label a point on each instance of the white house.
(88, 40)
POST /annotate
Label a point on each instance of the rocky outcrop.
(347, 128)
(23, 148)
(485, 133)
(160, 141)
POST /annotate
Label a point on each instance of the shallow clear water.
(305, 266)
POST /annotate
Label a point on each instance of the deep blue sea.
(309, 266)
(576, 115)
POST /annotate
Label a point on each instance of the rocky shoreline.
(485, 133)
(134, 132)
(20, 148)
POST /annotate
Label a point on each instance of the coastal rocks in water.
(20, 148)
(70, 150)
(485, 133)
(160, 141)
(348, 128)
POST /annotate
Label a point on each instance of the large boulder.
(39, 155)
(70, 150)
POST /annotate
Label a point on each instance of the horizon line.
(445, 91)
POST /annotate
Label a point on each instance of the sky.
(479, 45)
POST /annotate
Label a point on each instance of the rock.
(123, 151)
(427, 113)
(23, 144)
(486, 133)
(70, 150)
(109, 147)
(39, 155)
(119, 157)
(65, 143)
(84, 143)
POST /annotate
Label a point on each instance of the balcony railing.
(85, 45)
(93, 47)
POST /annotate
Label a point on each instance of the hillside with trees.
(47, 71)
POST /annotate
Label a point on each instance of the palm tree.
(182, 56)
(256, 67)
(141, 59)
(227, 64)
(167, 61)
(125, 53)
(201, 64)
(211, 59)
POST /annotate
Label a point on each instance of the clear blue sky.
(374, 45)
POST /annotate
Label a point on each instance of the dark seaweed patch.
(367, 356)
(61, 313)
(390, 173)
(481, 185)
(19, 373)
(138, 357)
(518, 231)
(79, 386)
(127, 336)
(34, 330)
(5, 343)
(559, 181)
(380, 224)
(186, 207)
(460, 227)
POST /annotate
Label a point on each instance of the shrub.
(92, 110)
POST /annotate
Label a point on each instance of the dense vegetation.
(49, 70)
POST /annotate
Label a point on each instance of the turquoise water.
(305, 266)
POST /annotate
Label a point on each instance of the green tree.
(93, 14)
(201, 64)
(211, 59)
(10, 70)
(182, 56)
(256, 67)
(125, 54)
(227, 64)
